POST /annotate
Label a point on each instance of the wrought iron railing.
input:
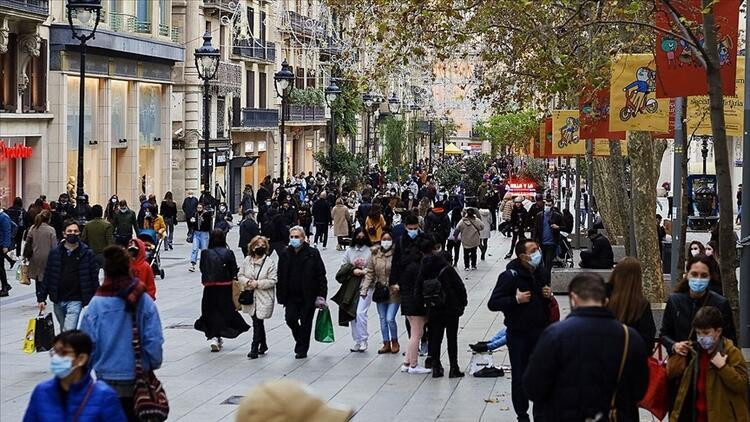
(255, 49)
(176, 32)
(142, 27)
(306, 113)
(38, 7)
(258, 118)
(303, 25)
(163, 30)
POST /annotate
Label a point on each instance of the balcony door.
(250, 89)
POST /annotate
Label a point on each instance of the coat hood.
(141, 257)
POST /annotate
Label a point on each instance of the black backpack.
(433, 292)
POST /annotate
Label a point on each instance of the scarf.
(128, 288)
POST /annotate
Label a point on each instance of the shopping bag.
(28, 341)
(22, 274)
(324, 326)
(656, 399)
(480, 361)
(44, 334)
(554, 310)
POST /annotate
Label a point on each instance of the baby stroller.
(564, 258)
(153, 250)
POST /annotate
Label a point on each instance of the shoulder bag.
(246, 296)
(612, 405)
(84, 401)
(149, 398)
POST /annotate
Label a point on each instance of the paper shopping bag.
(324, 327)
(28, 341)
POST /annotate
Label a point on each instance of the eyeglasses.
(61, 353)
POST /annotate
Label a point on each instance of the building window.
(251, 21)
(149, 118)
(165, 11)
(222, 46)
(119, 110)
(250, 89)
(221, 107)
(35, 96)
(299, 81)
(263, 27)
(8, 86)
(311, 79)
(89, 115)
(262, 90)
(143, 10)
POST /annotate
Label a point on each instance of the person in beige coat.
(470, 227)
(377, 276)
(40, 239)
(258, 274)
(341, 221)
(506, 208)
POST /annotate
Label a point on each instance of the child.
(713, 386)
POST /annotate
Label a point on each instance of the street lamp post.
(332, 92)
(282, 81)
(207, 64)
(430, 122)
(415, 108)
(371, 102)
(83, 10)
(443, 123)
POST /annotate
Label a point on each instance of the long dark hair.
(168, 198)
(217, 239)
(43, 217)
(626, 300)
(682, 286)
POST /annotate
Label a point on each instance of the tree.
(509, 131)
(345, 163)
(475, 167)
(394, 145)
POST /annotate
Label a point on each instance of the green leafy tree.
(475, 167)
(536, 170)
(449, 174)
(509, 131)
(347, 106)
(344, 163)
(394, 143)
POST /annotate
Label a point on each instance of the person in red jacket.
(140, 268)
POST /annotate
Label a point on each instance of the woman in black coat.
(518, 219)
(443, 318)
(627, 302)
(219, 318)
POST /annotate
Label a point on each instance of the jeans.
(170, 231)
(520, 347)
(67, 314)
(359, 325)
(470, 256)
(500, 340)
(388, 325)
(439, 324)
(453, 248)
(548, 256)
(321, 233)
(299, 318)
(483, 247)
(200, 242)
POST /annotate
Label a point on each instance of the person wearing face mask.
(124, 224)
(189, 205)
(111, 210)
(71, 278)
(581, 363)
(712, 251)
(713, 385)
(374, 224)
(376, 277)
(140, 268)
(302, 287)
(202, 225)
(696, 248)
(98, 233)
(470, 229)
(258, 273)
(73, 391)
(223, 219)
(354, 303)
(546, 232)
(691, 294)
(523, 297)
(517, 224)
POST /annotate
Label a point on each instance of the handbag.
(381, 293)
(246, 296)
(656, 399)
(612, 405)
(554, 310)
(149, 398)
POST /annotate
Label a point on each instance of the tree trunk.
(727, 248)
(643, 196)
(610, 201)
(684, 211)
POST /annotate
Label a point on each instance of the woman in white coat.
(484, 234)
(258, 274)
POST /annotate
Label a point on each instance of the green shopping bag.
(324, 326)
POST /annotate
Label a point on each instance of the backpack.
(432, 291)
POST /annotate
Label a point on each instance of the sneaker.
(362, 346)
(355, 348)
(419, 370)
(508, 256)
(473, 268)
(404, 367)
(466, 269)
(192, 267)
(214, 345)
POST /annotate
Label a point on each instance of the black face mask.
(133, 252)
(260, 251)
(359, 241)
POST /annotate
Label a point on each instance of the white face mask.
(695, 252)
(386, 244)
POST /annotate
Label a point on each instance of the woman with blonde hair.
(257, 275)
(627, 302)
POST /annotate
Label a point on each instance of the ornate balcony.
(303, 113)
(256, 118)
(219, 5)
(38, 8)
(302, 25)
(255, 49)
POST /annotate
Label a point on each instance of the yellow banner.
(601, 147)
(699, 116)
(632, 95)
(565, 133)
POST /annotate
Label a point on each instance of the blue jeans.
(200, 242)
(170, 231)
(67, 314)
(498, 341)
(388, 326)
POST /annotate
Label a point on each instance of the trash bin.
(666, 257)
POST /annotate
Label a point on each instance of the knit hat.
(287, 401)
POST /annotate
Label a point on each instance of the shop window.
(149, 119)
(89, 111)
(35, 96)
(8, 87)
(119, 110)
(262, 90)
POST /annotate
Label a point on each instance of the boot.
(437, 370)
(386, 348)
(455, 372)
(253, 351)
(395, 348)
(263, 348)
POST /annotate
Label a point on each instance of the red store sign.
(16, 151)
(521, 186)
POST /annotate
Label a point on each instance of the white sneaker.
(324, 248)
(356, 348)
(214, 345)
(221, 342)
(419, 370)
(362, 346)
(192, 268)
(404, 367)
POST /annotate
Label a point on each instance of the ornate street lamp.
(372, 103)
(430, 120)
(84, 11)
(332, 92)
(283, 80)
(207, 63)
(443, 122)
(394, 104)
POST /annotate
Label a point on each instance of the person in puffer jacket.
(140, 268)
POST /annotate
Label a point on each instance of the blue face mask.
(536, 259)
(706, 342)
(61, 366)
(698, 285)
(412, 233)
(295, 243)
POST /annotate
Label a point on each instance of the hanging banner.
(631, 96)
(545, 139)
(698, 112)
(678, 65)
(566, 139)
(601, 147)
(669, 134)
(594, 109)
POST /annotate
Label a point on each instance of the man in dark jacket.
(124, 224)
(98, 233)
(363, 210)
(301, 287)
(518, 219)
(321, 212)
(546, 233)
(437, 223)
(63, 211)
(202, 222)
(189, 204)
(71, 278)
(248, 230)
(535, 209)
(600, 256)
(575, 369)
(523, 298)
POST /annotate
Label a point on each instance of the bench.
(561, 277)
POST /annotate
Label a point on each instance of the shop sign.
(521, 186)
(16, 151)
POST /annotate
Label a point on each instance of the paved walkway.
(199, 382)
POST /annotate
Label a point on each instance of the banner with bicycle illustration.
(566, 137)
(632, 101)
(594, 108)
(602, 147)
(699, 115)
(679, 64)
